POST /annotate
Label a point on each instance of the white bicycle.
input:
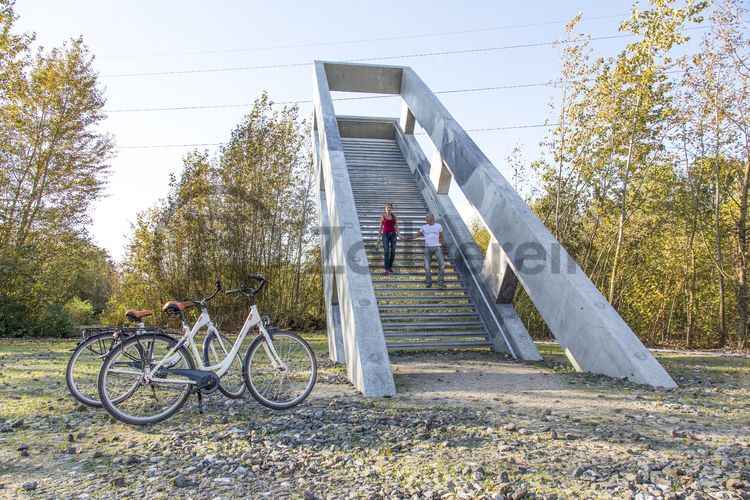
(149, 377)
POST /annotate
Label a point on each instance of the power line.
(369, 59)
(514, 127)
(306, 101)
(362, 40)
(386, 58)
(487, 129)
(153, 146)
(550, 83)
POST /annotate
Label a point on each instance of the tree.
(634, 97)
(716, 110)
(247, 211)
(54, 165)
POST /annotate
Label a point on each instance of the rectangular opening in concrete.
(366, 104)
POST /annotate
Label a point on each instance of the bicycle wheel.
(82, 372)
(122, 389)
(280, 387)
(215, 350)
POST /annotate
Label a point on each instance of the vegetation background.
(644, 179)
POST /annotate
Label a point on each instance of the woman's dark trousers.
(389, 250)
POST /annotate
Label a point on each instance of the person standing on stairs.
(433, 242)
(388, 232)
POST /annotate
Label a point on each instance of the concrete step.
(398, 276)
(406, 299)
(417, 346)
(425, 325)
(427, 314)
(402, 200)
(401, 247)
(370, 218)
(376, 263)
(392, 335)
(364, 163)
(450, 284)
(423, 289)
(401, 268)
(404, 205)
(361, 162)
(402, 250)
(404, 257)
(378, 192)
(423, 306)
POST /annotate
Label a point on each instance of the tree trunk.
(690, 292)
(717, 228)
(560, 163)
(623, 209)
(742, 261)
(671, 310)
(620, 234)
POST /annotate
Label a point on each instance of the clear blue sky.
(155, 36)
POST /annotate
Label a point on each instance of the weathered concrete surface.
(364, 126)
(367, 363)
(351, 77)
(595, 337)
(407, 120)
(330, 294)
(501, 283)
(439, 174)
(497, 273)
(505, 327)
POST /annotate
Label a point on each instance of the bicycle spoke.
(232, 383)
(286, 386)
(122, 389)
(82, 371)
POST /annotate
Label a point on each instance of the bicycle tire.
(98, 345)
(225, 389)
(307, 367)
(120, 352)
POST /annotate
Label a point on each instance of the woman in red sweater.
(388, 232)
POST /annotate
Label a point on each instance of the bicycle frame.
(204, 320)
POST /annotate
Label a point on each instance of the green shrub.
(80, 312)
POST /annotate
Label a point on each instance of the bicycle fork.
(271, 351)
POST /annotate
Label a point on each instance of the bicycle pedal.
(200, 402)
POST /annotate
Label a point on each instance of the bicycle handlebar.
(218, 289)
(206, 299)
(249, 290)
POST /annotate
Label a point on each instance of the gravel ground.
(464, 425)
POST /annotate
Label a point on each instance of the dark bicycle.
(83, 367)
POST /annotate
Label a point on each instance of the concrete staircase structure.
(365, 162)
(412, 316)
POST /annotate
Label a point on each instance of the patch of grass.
(715, 369)
(709, 410)
(719, 369)
(32, 376)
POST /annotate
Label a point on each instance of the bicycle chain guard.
(206, 382)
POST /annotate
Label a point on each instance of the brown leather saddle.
(174, 307)
(137, 315)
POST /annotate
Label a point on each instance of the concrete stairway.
(413, 316)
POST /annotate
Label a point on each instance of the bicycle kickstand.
(200, 402)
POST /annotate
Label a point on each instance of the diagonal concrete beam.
(506, 329)
(594, 336)
(330, 294)
(367, 363)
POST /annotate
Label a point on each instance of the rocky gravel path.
(464, 425)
